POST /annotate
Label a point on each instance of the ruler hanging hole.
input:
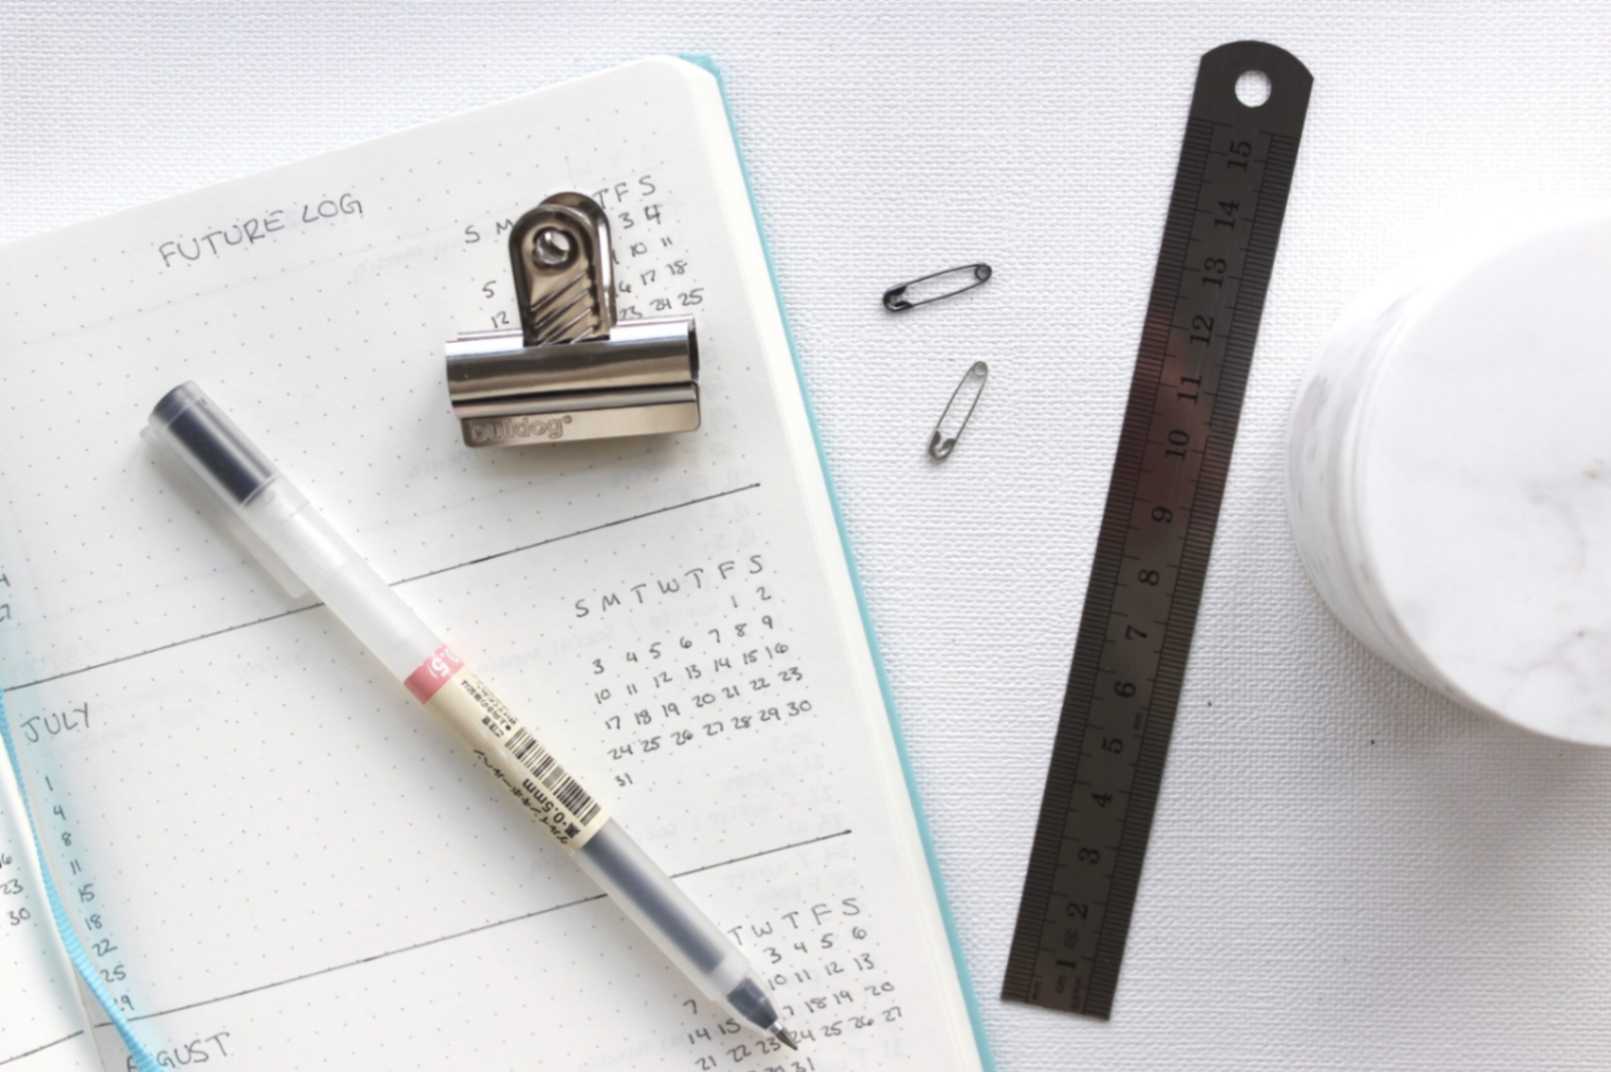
(1253, 88)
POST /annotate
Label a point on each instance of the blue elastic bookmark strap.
(974, 1013)
(64, 927)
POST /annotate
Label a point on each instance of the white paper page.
(42, 1026)
(300, 868)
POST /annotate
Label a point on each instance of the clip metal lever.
(571, 371)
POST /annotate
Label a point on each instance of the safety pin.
(895, 299)
(940, 444)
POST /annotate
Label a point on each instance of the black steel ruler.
(1157, 528)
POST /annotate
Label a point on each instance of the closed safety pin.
(940, 444)
(896, 301)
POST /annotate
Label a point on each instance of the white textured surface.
(1346, 872)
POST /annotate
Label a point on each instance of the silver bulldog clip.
(571, 371)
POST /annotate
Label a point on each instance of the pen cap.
(194, 429)
(190, 423)
(292, 540)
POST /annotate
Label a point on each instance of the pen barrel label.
(511, 753)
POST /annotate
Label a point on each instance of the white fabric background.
(1346, 872)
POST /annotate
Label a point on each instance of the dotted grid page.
(42, 1024)
(292, 865)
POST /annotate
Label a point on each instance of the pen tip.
(779, 1033)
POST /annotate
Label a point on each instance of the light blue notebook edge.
(975, 1015)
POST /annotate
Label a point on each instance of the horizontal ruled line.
(41, 1048)
(427, 943)
(480, 560)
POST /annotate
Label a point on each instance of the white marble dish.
(1449, 479)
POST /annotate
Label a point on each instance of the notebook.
(263, 853)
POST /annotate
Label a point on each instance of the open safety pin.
(940, 444)
(896, 301)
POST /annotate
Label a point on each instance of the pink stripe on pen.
(433, 673)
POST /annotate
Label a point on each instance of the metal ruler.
(1157, 528)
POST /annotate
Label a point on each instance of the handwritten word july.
(250, 231)
(36, 727)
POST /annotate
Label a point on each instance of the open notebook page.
(297, 866)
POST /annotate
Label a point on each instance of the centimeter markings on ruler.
(1157, 528)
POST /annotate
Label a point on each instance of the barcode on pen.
(542, 766)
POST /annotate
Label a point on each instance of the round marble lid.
(1484, 481)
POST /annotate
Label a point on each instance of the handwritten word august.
(195, 1052)
(256, 229)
